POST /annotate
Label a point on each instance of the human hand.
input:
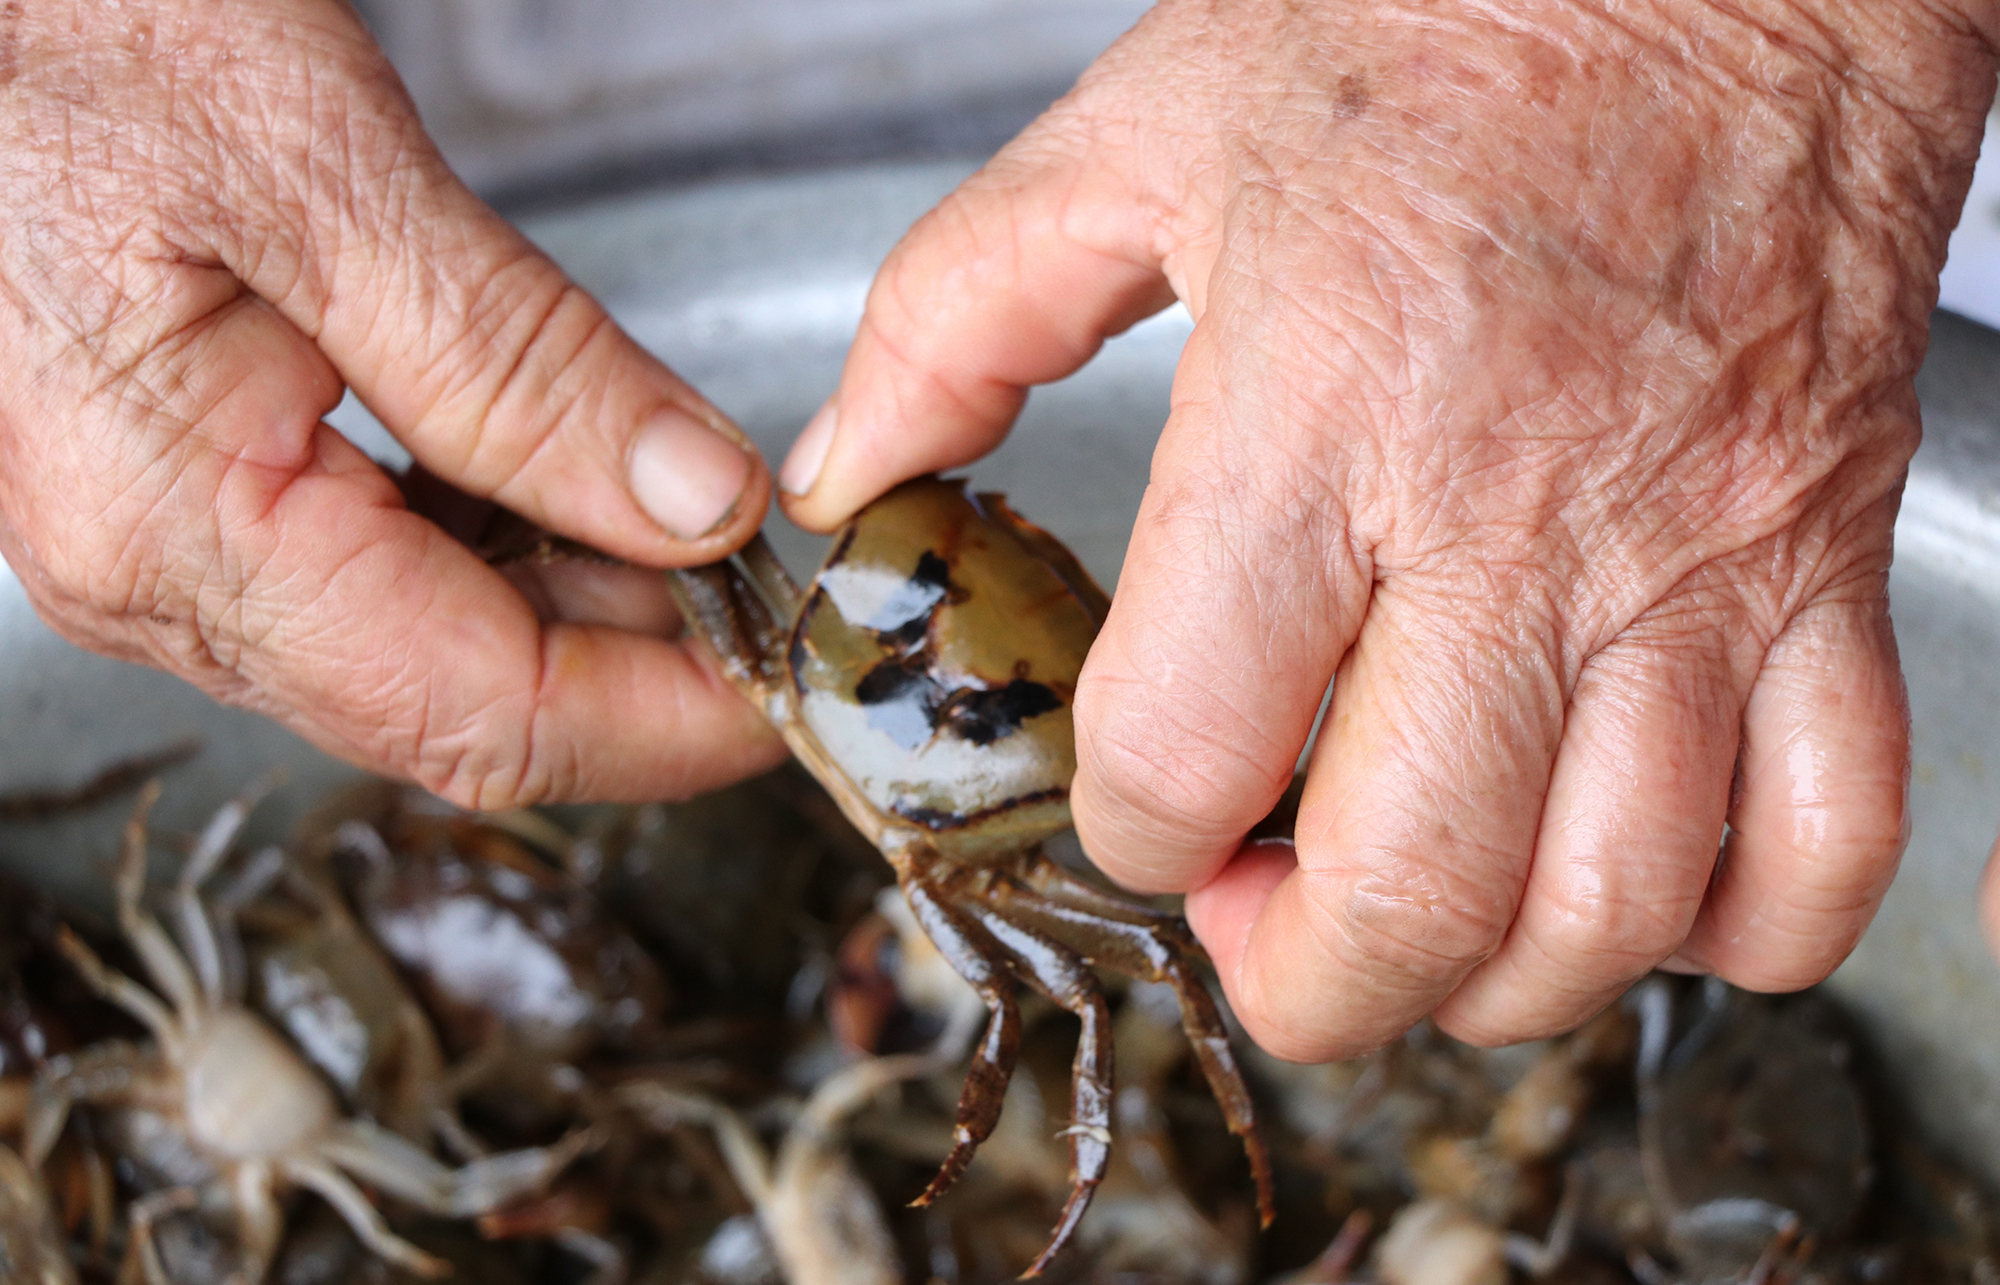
(217, 216)
(1550, 394)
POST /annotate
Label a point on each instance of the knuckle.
(1489, 1032)
(465, 769)
(525, 356)
(497, 755)
(1616, 934)
(1416, 925)
(1795, 944)
(1755, 971)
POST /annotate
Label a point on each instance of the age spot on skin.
(1351, 98)
(10, 40)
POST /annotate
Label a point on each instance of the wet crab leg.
(389, 1161)
(976, 957)
(1061, 975)
(1141, 942)
(121, 990)
(115, 779)
(722, 603)
(771, 578)
(718, 601)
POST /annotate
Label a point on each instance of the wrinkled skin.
(219, 215)
(1550, 395)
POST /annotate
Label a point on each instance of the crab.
(926, 678)
(31, 1246)
(226, 1110)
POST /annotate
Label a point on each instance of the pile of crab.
(725, 1042)
(709, 1044)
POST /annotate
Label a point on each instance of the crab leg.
(363, 1219)
(770, 577)
(142, 1256)
(113, 779)
(722, 604)
(198, 936)
(122, 991)
(387, 1160)
(719, 601)
(974, 956)
(100, 1073)
(1144, 943)
(156, 950)
(1061, 974)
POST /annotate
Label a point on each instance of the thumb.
(1016, 279)
(497, 372)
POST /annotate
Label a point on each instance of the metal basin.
(751, 288)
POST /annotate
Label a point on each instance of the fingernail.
(808, 457)
(687, 476)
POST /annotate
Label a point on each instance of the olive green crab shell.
(936, 659)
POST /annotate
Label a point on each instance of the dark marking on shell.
(902, 694)
(905, 700)
(985, 716)
(902, 699)
(939, 819)
(903, 622)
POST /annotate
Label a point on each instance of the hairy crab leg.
(257, 875)
(1060, 974)
(387, 1160)
(198, 936)
(163, 960)
(122, 991)
(666, 1107)
(1047, 876)
(734, 619)
(1141, 942)
(363, 1219)
(116, 778)
(142, 1256)
(260, 1219)
(723, 603)
(771, 578)
(976, 957)
(95, 1074)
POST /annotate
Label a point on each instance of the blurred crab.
(31, 1247)
(1753, 1141)
(221, 1105)
(925, 677)
(525, 973)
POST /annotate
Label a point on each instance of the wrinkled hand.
(217, 215)
(1549, 395)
